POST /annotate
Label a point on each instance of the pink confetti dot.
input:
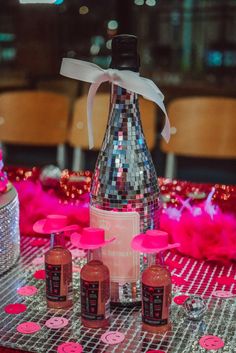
(70, 347)
(56, 322)
(15, 308)
(155, 351)
(211, 342)
(112, 337)
(27, 290)
(28, 327)
(40, 274)
(180, 299)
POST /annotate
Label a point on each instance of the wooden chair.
(35, 118)
(78, 132)
(201, 127)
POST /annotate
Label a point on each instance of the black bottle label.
(53, 283)
(89, 300)
(152, 303)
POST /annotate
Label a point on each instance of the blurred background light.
(7, 37)
(83, 10)
(139, 2)
(55, 2)
(108, 44)
(37, 1)
(151, 2)
(112, 24)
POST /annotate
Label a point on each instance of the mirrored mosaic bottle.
(124, 192)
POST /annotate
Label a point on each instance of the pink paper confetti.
(223, 294)
(225, 280)
(180, 299)
(40, 274)
(112, 337)
(38, 242)
(70, 347)
(27, 290)
(38, 261)
(28, 327)
(155, 351)
(211, 342)
(15, 308)
(56, 322)
(179, 281)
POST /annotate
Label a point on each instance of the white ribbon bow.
(89, 72)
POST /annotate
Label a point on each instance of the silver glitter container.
(9, 229)
(125, 178)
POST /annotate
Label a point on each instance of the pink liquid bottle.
(58, 261)
(94, 278)
(58, 268)
(156, 281)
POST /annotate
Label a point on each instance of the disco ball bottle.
(124, 191)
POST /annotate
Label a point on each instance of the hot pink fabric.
(203, 237)
(37, 204)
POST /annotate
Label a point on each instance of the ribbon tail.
(90, 99)
(166, 129)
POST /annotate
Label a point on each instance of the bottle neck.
(95, 254)
(122, 96)
(155, 259)
(57, 239)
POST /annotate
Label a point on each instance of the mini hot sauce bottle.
(58, 260)
(58, 268)
(156, 281)
(94, 278)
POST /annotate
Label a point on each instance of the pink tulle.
(35, 204)
(203, 236)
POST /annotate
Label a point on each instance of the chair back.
(202, 127)
(33, 117)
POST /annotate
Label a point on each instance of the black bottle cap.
(124, 53)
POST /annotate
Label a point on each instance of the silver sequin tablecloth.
(194, 277)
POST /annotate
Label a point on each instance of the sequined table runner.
(188, 275)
